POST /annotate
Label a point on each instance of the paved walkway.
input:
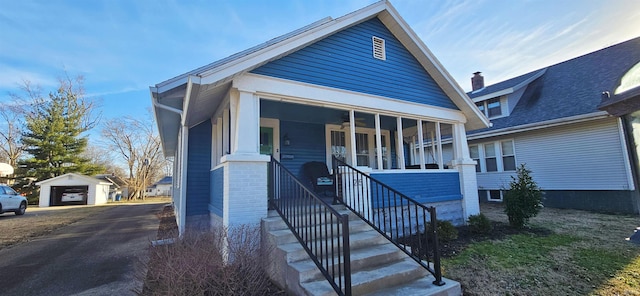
(95, 256)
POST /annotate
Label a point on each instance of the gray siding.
(582, 156)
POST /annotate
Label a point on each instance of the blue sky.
(122, 47)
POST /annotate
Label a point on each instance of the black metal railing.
(320, 229)
(407, 223)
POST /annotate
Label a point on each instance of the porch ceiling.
(323, 115)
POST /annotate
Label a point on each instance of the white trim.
(275, 125)
(378, 135)
(421, 144)
(539, 125)
(303, 93)
(183, 179)
(352, 134)
(288, 45)
(625, 154)
(400, 144)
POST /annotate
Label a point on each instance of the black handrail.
(320, 229)
(399, 218)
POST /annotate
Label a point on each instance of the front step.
(378, 267)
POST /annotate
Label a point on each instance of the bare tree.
(136, 141)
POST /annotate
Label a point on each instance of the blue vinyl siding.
(345, 60)
(198, 168)
(307, 144)
(423, 187)
(217, 191)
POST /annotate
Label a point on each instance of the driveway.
(95, 256)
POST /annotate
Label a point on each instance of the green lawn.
(585, 254)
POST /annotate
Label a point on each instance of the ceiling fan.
(360, 121)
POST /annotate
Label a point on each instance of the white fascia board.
(267, 54)
(494, 94)
(539, 125)
(410, 39)
(311, 94)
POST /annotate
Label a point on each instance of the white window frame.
(371, 137)
(487, 193)
(497, 145)
(504, 111)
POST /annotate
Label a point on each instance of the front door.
(270, 137)
(266, 140)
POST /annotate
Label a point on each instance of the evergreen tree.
(53, 136)
(523, 200)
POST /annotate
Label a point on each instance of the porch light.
(286, 141)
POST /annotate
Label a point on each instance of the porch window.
(338, 145)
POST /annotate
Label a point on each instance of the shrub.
(215, 263)
(446, 231)
(523, 200)
(480, 224)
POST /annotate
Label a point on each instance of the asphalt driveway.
(95, 256)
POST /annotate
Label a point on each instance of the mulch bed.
(168, 227)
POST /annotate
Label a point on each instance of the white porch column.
(246, 124)
(378, 143)
(245, 169)
(467, 169)
(421, 144)
(352, 131)
(400, 144)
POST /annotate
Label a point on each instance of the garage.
(73, 189)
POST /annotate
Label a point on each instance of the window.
(475, 155)
(508, 157)
(491, 108)
(491, 163)
(496, 156)
(339, 144)
(379, 48)
(490, 195)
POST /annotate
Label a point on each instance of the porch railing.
(320, 229)
(399, 218)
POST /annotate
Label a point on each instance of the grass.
(585, 254)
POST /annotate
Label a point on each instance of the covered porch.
(376, 135)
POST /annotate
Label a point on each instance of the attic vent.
(378, 48)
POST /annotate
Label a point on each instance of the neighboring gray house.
(549, 120)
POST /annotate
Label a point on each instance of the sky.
(122, 47)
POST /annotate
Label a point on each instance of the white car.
(72, 196)
(11, 201)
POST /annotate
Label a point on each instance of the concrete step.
(372, 280)
(295, 252)
(361, 259)
(275, 222)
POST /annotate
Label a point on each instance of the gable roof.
(570, 90)
(84, 178)
(187, 99)
(166, 180)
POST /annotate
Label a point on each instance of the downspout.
(184, 137)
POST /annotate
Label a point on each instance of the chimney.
(477, 81)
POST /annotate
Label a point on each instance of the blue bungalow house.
(354, 94)
(359, 87)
